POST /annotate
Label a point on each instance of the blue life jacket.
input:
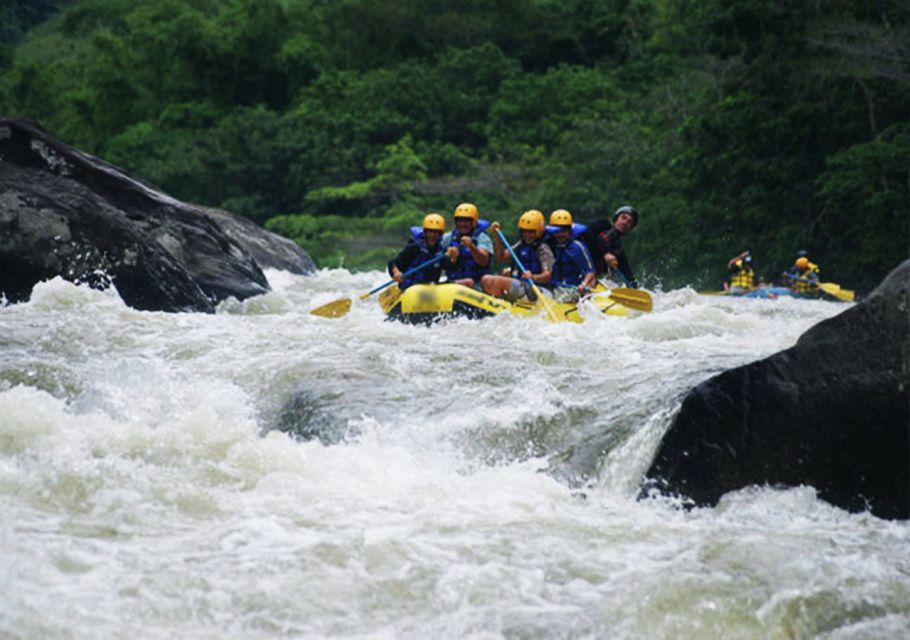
(428, 274)
(573, 261)
(467, 266)
(529, 257)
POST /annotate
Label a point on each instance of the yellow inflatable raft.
(426, 303)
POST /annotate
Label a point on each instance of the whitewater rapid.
(266, 473)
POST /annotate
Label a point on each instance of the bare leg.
(496, 285)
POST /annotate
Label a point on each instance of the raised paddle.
(338, 308)
(537, 292)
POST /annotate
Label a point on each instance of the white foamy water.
(471, 480)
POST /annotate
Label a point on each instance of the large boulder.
(270, 250)
(66, 213)
(832, 412)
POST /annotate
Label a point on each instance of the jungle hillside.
(729, 124)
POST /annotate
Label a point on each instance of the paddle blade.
(632, 298)
(334, 309)
(834, 290)
(543, 300)
(388, 298)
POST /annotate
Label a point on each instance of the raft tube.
(428, 303)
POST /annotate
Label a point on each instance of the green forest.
(729, 124)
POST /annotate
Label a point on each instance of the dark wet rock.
(832, 412)
(309, 415)
(66, 213)
(270, 250)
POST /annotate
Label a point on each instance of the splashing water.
(266, 473)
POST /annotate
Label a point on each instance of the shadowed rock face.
(66, 213)
(832, 412)
(270, 250)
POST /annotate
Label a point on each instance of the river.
(266, 473)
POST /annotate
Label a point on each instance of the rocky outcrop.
(270, 250)
(66, 213)
(832, 412)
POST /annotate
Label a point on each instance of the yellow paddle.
(531, 282)
(632, 298)
(834, 290)
(338, 308)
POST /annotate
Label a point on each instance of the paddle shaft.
(822, 286)
(617, 270)
(624, 278)
(405, 274)
(530, 281)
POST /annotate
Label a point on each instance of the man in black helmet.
(604, 240)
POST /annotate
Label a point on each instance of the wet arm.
(482, 249)
(405, 257)
(545, 256)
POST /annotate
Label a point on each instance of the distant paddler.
(802, 279)
(535, 255)
(472, 247)
(802, 269)
(742, 276)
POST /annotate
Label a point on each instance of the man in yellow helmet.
(802, 278)
(573, 268)
(423, 245)
(742, 276)
(791, 275)
(473, 247)
(535, 255)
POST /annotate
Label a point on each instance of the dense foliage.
(730, 124)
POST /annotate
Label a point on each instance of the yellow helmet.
(802, 263)
(434, 222)
(532, 220)
(561, 218)
(467, 210)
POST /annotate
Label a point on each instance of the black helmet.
(802, 253)
(627, 209)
